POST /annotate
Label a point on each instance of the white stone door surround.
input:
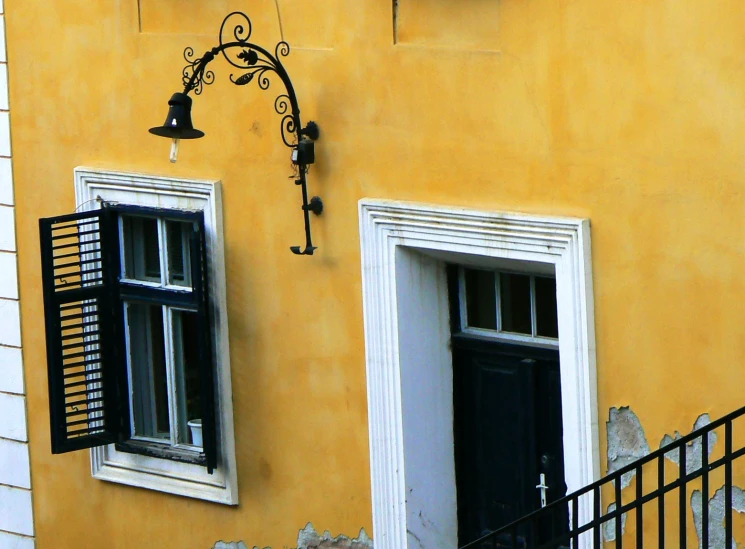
(409, 367)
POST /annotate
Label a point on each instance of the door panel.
(507, 405)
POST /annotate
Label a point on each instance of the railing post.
(727, 484)
(639, 509)
(619, 516)
(575, 522)
(661, 500)
(682, 500)
(705, 491)
(596, 517)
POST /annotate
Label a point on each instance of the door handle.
(543, 488)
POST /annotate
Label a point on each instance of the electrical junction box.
(305, 153)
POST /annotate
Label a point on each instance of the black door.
(508, 430)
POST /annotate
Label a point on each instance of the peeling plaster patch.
(716, 515)
(609, 528)
(693, 448)
(308, 538)
(626, 441)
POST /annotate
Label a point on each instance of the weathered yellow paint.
(628, 113)
(443, 23)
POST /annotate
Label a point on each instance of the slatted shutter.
(85, 353)
(206, 366)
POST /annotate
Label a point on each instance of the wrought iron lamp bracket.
(257, 64)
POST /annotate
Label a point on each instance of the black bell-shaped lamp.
(178, 124)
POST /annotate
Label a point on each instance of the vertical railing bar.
(705, 491)
(639, 510)
(534, 531)
(682, 507)
(727, 484)
(596, 517)
(661, 500)
(556, 509)
(575, 522)
(618, 522)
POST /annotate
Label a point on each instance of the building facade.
(532, 214)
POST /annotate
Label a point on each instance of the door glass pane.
(514, 294)
(186, 358)
(545, 305)
(148, 369)
(178, 235)
(481, 299)
(141, 248)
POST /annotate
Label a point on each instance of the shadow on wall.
(308, 538)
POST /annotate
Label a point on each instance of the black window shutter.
(88, 402)
(206, 368)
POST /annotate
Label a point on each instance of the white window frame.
(185, 479)
(404, 250)
(499, 333)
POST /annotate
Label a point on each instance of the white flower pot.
(195, 425)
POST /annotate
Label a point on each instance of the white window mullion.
(171, 373)
(462, 297)
(163, 253)
(122, 248)
(130, 377)
(533, 309)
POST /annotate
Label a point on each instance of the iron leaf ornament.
(259, 65)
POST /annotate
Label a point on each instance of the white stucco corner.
(11, 370)
(13, 417)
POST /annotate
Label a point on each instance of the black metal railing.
(649, 495)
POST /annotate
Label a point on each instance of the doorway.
(405, 248)
(508, 432)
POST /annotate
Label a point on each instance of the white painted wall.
(427, 400)
(16, 513)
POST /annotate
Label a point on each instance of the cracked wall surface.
(716, 516)
(627, 442)
(308, 538)
(693, 448)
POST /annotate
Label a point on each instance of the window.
(167, 401)
(514, 306)
(137, 334)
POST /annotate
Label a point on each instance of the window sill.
(162, 451)
(183, 479)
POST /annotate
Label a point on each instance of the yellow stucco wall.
(628, 113)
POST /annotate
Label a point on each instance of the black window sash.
(195, 300)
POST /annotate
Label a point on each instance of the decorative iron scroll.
(257, 64)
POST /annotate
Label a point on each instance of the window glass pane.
(148, 369)
(545, 305)
(178, 235)
(481, 299)
(186, 357)
(514, 294)
(141, 248)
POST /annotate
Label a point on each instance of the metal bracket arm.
(257, 63)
